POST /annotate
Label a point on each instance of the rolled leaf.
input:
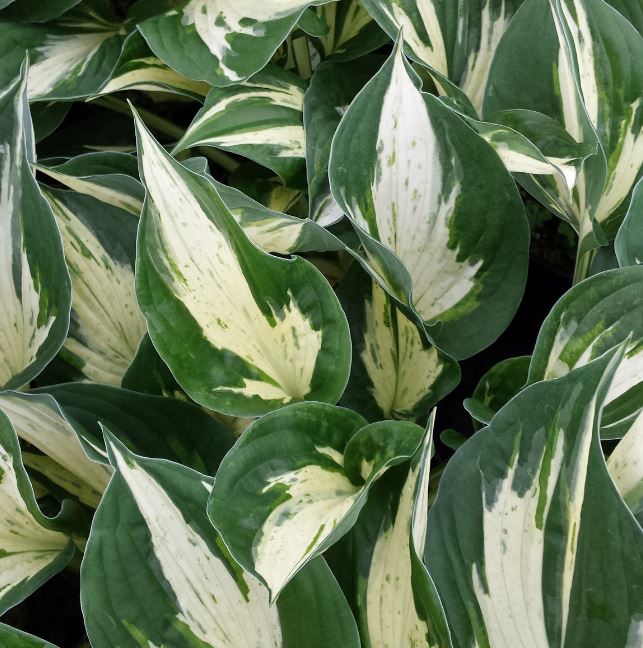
(295, 482)
(625, 466)
(528, 533)
(186, 588)
(222, 41)
(397, 601)
(100, 249)
(261, 119)
(34, 289)
(396, 372)
(38, 420)
(32, 547)
(242, 332)
(629, 240)
(451, 248)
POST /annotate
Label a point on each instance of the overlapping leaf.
(242, 332)
(629, 240)
(528, 536)
(440, 239)
(187, 590)
(295, 482)
(34, 284)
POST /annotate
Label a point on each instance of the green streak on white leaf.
(317, 500)
(109, 323)
(208, 597)
(204, 273)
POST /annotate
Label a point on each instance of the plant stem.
(583, 262)
(302, 57)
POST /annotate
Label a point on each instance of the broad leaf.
(295, 481)
(593, 316)
(439, 216)
(100, 249)
(34, 289)
(222, 41)
(166, 579)
(242, 332)
(38, 420)
(456, 39)
(331, 90)
(625, 466)
(528, 536)
(166, 428)
(395, 373)
(629, 240)
(12, 638)
(397, 602)
(260, 119)
(69, 59)
(32, 547)
(38, 11)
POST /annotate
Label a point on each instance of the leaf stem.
(302, 57)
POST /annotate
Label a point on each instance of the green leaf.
(397, 602)
(458, 40)
(585, 78)
(352, 32)
(46, 118)
(110, 177)
(34, 289)
(331, 90)
(12, 638)
(629, 240)
(592, 317)
(38, 11)
(497, 387)
(138, 69)
(528, 537)
(295, 481)
(166, 428)
(166, 579)
(439, 217)
(32, 546)
(625, 466)
(242, 332)
(395, 373)
(100, 249)
(69, 59)
(260, 118)
(38, 420)
(222, 41)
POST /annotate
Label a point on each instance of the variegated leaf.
(443, 242)
(32, 547)
(166, 428)
(138, 69)
(222, 41)
(497, 387)
(352, 32)
(295, 481)
(110, 177)
(397, 602)
(528, 536)
(38, 420)
(585, 78)
(12, 638)
(629, 240)
(260, 118)
(34, 284)
(396, 373)
(242, 332)
(331, 90)
(458, 40)
(265, 187)
(625, 466)
(593, 316)
(70, 58)
(100, 248)
(187, 590)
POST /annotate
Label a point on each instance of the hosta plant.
(251, 253)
